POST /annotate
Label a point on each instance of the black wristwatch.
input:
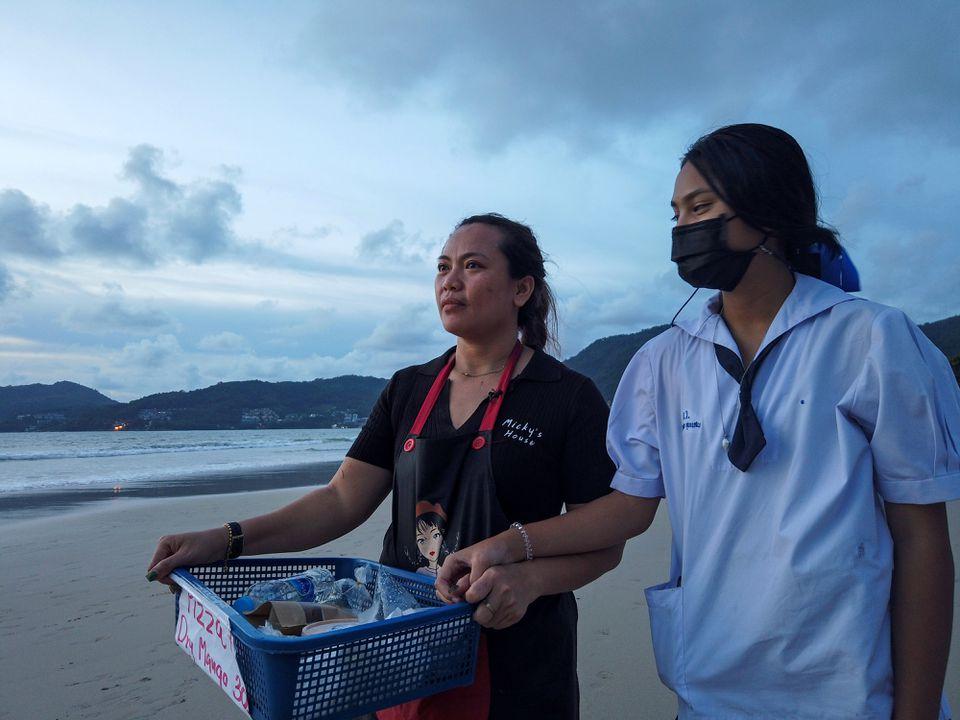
(234, 540)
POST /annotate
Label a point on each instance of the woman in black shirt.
(494, 433)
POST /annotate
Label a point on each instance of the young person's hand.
(504, 592)
(465, 567)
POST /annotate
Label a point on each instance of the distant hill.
(605, 360)
(58, 399)
(945, 334)
(342, 401)
(355, 392)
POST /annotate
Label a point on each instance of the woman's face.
(429, 539)
(693, 201)
(475, 294)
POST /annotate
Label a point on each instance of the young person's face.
(475, 294)
(693, 201)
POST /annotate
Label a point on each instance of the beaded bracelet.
(234, 541)
(527, 545)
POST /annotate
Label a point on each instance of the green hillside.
(58, 399)
(230, 405)
(605, 360)
(945, 334)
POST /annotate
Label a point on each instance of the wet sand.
(40, 503)
(83, 635)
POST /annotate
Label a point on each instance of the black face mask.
(703, 258)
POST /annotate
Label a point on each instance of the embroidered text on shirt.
(521, 432)
(686, 423)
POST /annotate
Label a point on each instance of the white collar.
(808, 298)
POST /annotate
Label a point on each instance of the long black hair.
(538, 317)
(762, 173)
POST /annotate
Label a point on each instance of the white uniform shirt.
(784, 571)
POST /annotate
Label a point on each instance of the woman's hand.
(318, 517)
(193, 548)
(504, 592)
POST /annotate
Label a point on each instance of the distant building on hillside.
(42, 418)
(258, 416)
(349, 419)
(150, 414)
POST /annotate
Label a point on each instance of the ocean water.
(41, 463)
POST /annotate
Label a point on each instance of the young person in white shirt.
(805, 441)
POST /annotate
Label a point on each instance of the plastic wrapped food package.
(389, 600)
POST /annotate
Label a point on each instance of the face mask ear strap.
(676, 314)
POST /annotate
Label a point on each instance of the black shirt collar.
(541, 368)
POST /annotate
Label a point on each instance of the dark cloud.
(411, 327)
(900, 237)
(200, 225)
(143, 166)
(915, 271)
(225, 342)
(586, 316)
(260, 255)
(161, 220)
(118, 230)
(293, 232)
(165, 219)
(590, 72)
(23, 226)
(118, 314)
(393, 243)
(152, 353)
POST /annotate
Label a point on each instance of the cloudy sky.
(195, 192)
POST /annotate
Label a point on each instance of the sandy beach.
(83, 635)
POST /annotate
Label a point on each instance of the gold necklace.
(491, 372)
(481, 374)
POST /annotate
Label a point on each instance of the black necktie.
(748, 439)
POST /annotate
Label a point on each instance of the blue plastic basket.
(348, 672)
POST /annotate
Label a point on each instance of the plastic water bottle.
(394, 598)
(311, 586)
(351, 594)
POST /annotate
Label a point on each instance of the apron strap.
(493, 408)
(496, 397)
(432, 396)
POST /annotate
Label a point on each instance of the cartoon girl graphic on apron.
(431, 529)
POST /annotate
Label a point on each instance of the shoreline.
(17, 507)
